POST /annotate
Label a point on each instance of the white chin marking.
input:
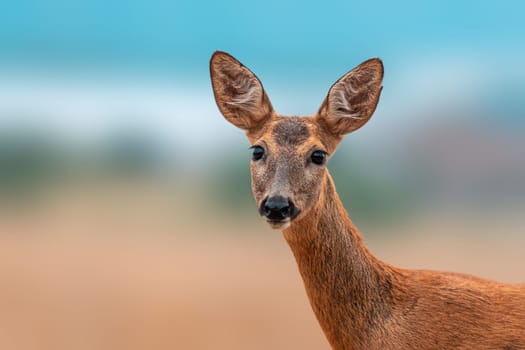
(279, 225)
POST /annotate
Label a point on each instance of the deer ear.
(239, 94)
(352, 100)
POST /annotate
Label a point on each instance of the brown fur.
(360, 301)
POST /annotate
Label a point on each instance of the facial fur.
(286, 168)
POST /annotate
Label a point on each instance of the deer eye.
(318, 157)
(257, 152)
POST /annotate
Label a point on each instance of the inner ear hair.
(352, 100)
(240, 89)
(239, 94)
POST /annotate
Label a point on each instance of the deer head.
(288, 167)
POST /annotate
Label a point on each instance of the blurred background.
(126, 218)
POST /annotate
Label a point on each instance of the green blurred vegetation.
(127, 153)
(29, 162)
(34, 162)
(371, 197)
(230, 185)
(36, 165)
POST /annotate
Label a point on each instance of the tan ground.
(216, 291)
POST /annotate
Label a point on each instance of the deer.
(359, 301)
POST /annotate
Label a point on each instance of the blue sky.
(180, 35)
(86, 66)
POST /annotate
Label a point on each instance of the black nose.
(277, 208)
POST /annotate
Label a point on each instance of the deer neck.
(350, 290)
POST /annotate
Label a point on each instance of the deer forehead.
(290, 132)
(295, 134)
